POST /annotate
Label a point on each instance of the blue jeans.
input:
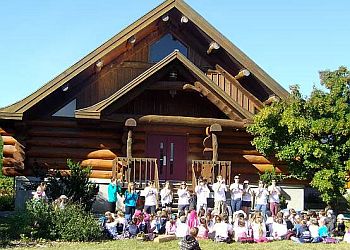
(236, 205)
(261, 208)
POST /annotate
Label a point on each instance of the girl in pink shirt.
(202, 229)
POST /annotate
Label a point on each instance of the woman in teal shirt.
(113, 190)
(131, 197)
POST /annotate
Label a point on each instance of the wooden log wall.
(51, 143)
(13, 151)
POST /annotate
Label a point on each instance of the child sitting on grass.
(202, 229)
(222, 230)
(259, 229)
(189, 242)
(170, 226)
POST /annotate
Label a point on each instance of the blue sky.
(291, 40)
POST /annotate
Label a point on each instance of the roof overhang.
(16, 111)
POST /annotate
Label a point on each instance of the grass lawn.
(133, 244)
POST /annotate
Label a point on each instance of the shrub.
(76, 186)
(38, 218)
(41, 220)
(74, 224)
(7, 201)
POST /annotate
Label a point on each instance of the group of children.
(196, 221)
(307, 227)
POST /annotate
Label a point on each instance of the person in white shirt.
(279, 229)
(246, 197)
(184, 198)
(166, 197)
(220, 189)
(274, 192)
(259, 229)
(182, 229)
(236, 195)
(202, 191)
(313, 228)
(261, 195)
(150, 198)
(222, 230)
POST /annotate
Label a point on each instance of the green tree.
(312, 135)
(1, 149)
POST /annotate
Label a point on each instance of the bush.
(7, 201)
(74, 224)
(76, 186)
(41, 220)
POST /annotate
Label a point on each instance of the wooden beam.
(189, 121)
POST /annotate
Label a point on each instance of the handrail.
(138, 170)
(215, 168)
(235, 90)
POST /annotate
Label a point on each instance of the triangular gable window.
(164, 46)
(68, 110)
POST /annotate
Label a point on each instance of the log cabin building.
(167, 98)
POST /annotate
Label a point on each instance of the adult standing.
(246, 198)
(113, 190)
(236, 195)
(150, 198)
(130, 201)
(184, 198)
(274, 194)
(166, 196)
(261, 195)
(220, 189)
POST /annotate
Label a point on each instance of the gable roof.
(94, 111)
(16, 110)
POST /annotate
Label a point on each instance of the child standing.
(184, 198)
(150, 198)
(131, 197)
(202, 191)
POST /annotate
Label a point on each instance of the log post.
(215, 145)
(129, 124)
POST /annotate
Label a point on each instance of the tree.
(1, 149)
(312, 135)
(76, 186)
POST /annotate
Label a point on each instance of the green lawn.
(133, 244)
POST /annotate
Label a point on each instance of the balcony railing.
(137, 170)
(209, 170)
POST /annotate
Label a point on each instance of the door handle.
(161, 157)
(172, 159)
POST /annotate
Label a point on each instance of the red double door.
(171, 152)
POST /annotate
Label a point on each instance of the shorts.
(246, 203)
(167, 205)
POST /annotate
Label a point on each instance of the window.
(68, 110)
(164, 46)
